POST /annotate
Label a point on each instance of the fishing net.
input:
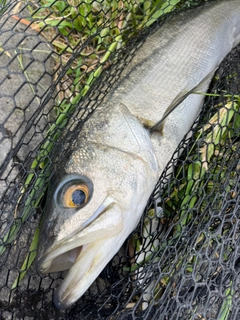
(58, 60)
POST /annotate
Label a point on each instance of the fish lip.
(58, 303)
(108, 201)
(44, 263)
(89, 264)
(95, 242)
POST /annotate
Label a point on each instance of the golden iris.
(76, 196)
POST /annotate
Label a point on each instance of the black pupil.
(78, 197)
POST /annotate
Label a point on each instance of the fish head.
(93, 204)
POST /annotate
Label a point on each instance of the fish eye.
(75, 196)
(74, 191)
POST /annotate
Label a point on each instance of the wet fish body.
(102, 189)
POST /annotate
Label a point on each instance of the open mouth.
(83, 253)
(64, 253)
(61, 262)
(84, 263)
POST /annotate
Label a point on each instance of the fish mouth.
(84, 254)
(84, 264)
(62, 261)
(81, 275)
(79, 261)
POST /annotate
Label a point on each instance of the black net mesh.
(58, 60)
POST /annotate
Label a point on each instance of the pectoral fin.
(145, 122)
(200, 87)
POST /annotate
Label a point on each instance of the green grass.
(110, 24)
(3, 6)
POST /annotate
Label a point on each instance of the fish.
(98, 194)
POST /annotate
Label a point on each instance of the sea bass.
(100, 192)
